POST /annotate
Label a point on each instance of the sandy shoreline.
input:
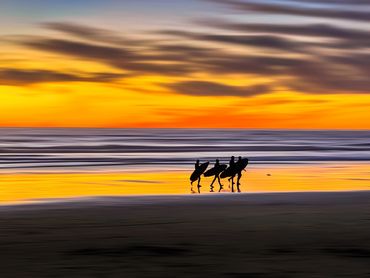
(317, 234)
(302, 197)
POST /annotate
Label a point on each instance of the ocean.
(171, 149)
(53, 164)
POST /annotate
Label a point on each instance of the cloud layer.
(204, 88)
(19, 77)
(327, 54)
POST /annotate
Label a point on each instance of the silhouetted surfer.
(232, 162)
(197, 164)
(198, 172)
(230, 172)
(232, 169)
(216, 171)
(240, 166)
(219, 171)
(239, 173)
(217, 176)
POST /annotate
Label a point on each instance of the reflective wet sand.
(38, 186)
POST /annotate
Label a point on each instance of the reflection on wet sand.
(16, 187)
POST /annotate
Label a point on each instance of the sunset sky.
(193, 63)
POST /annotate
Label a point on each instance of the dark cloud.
(83, 31)
(259, 41)
(123, 58)
(81, 49)
(324, 74)
(18, 77)
(180, 52)
(288, 9)
(360, 62)
(308, 30)
(337, 2)
(159, 68)
(205, 88)
(316, 73)
(323, 77)
(255, 65)
(315, 57)
(335, 57)
(294, 38)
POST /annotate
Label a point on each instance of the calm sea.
(169, 149)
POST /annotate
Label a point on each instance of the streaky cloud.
(260, 41)
(313, 58)
(19, 77)
(309, 30)
(336, 2)
(80, 49)
(295, 10)
(127, 59)
(88, 33)
(207, 88)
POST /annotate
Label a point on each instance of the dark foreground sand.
(247, 235)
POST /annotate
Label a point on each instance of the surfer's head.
(240, 158)
(233, 157)
(217, 161)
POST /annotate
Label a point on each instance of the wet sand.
(221, 235)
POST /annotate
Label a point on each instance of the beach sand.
(220, 235)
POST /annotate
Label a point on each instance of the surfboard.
(198, 172)
(229, 172)
(215, 170)
(238, 167)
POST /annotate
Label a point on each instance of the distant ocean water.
(101, 149)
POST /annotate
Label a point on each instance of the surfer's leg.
(213, 183)
(232, 184)
(219, 182)
(238, 183)
(199, 186)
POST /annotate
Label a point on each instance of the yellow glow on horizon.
(99, 105)
(141, 101)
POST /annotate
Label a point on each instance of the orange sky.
(82, 71)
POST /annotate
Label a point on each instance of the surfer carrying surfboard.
(232, 170)
(235, 169)
(198, 172)
(240, 166)
(219, 171)
(216, 171)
